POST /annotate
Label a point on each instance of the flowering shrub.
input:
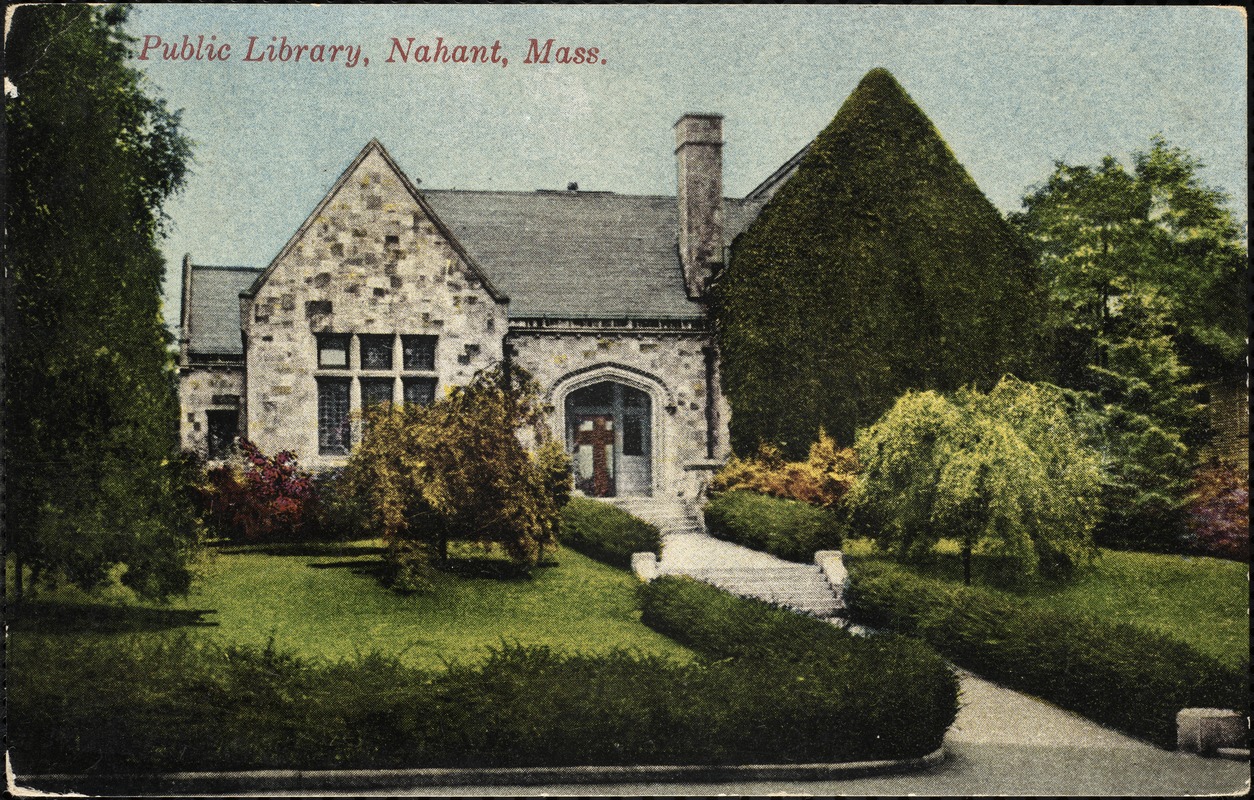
(269, 499)
(1219, 512)
(821, 480)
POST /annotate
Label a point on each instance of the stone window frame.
(356, 373)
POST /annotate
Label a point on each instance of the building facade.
(388, 293)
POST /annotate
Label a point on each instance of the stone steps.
(738, 570)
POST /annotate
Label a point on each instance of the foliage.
(1146, 271)
(1219, 512)
(1142, 417)
(178, 705)
(822, 479)
(786, 528)
(606, 533)
(93, 479)
(270, 500)
(1007, 473)
(1105, 232)
(896, 690)
(456, 469)
(818, 309)
(1116, 673)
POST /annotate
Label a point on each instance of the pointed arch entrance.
(609, 434)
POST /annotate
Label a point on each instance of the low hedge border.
(606, 533)
(789, 529)
(1115, 673)
(882, 697)
(144, 704)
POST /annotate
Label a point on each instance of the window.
(418, 352)
(334, 431)
(376, 352)
(333, 351)
(419, 391)
(223, 428)
(375, 391)
(633, 435)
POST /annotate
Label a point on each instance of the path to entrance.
(1002, 741)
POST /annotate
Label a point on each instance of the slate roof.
(578, 254)
(213, 318)
(555, 254)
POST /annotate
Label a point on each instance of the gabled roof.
(579, 254)
(375, 146)
(212, 314)
(568, 254)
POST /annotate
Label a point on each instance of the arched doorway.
(609, 437)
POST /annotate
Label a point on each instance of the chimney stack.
(699, 152)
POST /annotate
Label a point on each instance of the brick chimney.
(699, 152)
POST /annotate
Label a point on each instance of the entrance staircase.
(688, 550)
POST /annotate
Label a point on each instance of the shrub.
(268, 499)
(822, 479)
(1118, 674)
(888, 689)
(606, 533)
(456, 469)
(1219, 512)
(1008, 474)
(785, 528)
(176, 704)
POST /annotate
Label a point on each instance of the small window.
(391, 241)
(223, 428)
(333, 351)
(633, 436)
(375, 391)
(418, 352)
(376, 352)
(419, 391)
(334, 431)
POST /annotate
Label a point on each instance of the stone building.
(391, 293)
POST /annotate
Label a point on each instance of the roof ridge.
(226, 268)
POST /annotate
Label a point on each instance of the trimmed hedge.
(606, 533)
(786, 528)
(143, 704)
(1118, 674)
(881, 697)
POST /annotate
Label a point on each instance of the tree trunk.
(966, 562)
(444, 548)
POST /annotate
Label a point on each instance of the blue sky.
(1011, 89)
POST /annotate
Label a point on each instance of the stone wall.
(369, 261)
(203, 389)
(669, 366)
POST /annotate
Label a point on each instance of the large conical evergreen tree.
(878, 267)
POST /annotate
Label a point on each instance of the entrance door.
(609, 437)
(594, 455)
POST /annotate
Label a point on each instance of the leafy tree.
(878, 267)
(1104, 232)
(93, 479)
(1145, 269)
(1008, 474)
(457, 469)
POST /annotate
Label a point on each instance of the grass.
(326, 602)
(1201, 601)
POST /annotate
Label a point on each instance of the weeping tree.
(93, 478)
(1008, 474)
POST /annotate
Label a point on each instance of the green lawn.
(327, 603)
(1202, 601)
